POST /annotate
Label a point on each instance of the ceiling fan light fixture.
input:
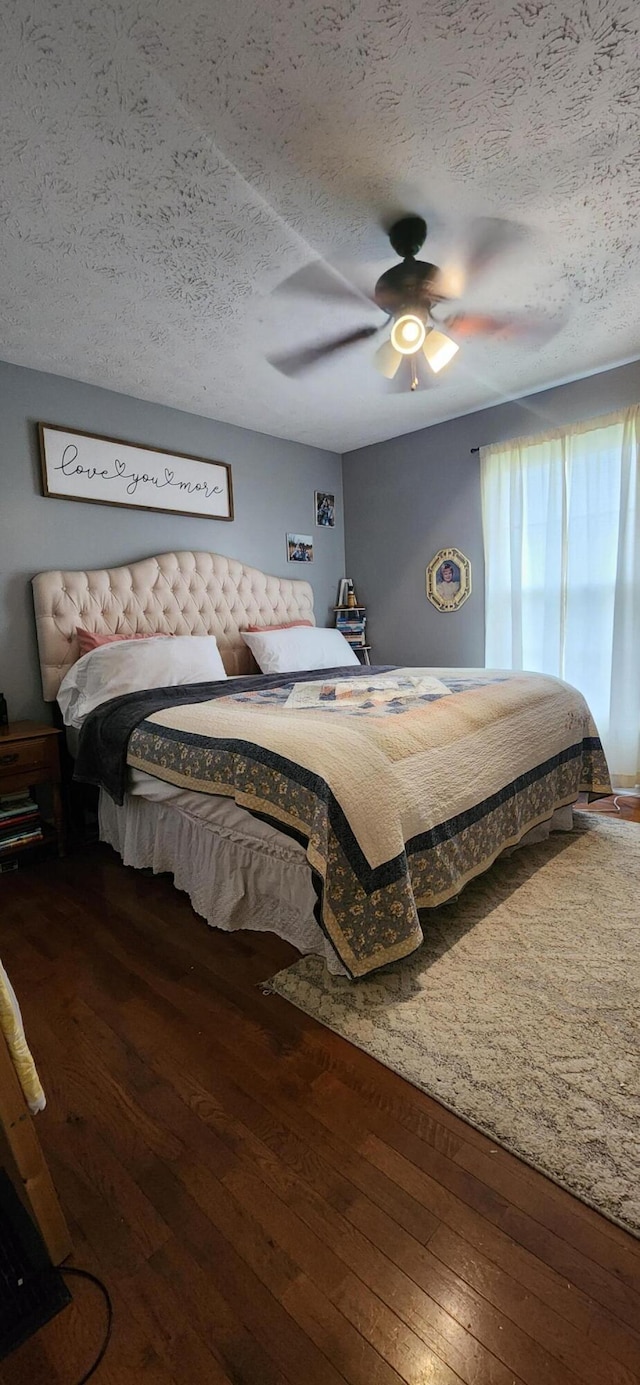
(408, 334)
(387, 360)
(438, 350)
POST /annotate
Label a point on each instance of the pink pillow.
(88, 640)
(288, 625)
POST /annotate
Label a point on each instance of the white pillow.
(131, 665)
(300, 647)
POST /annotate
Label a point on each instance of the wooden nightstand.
(29, 756)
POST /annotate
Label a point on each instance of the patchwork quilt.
(402, 783)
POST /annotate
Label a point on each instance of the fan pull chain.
(414, 374)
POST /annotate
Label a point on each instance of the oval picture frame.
(449, 568)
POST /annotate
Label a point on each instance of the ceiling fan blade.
(321, 280)
(533, 326)
(484, 243)
(488, 239)
(450, 281)
(387, 360)
(294, 363)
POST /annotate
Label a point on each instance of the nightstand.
(30, 756)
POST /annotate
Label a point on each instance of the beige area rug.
(521, 1011)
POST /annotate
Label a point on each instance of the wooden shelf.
(30, 756)
(358, 614)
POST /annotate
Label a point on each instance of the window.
(561, 518)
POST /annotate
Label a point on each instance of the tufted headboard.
(175, 593)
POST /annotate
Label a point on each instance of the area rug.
(520, 1012)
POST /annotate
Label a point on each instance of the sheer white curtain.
(561, 520)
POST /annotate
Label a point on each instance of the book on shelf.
(28, 830)
(14, 824)
(20, 805)
(22, 839)
(8, 829)
(352, 615)
(19, 821)
(351, 621)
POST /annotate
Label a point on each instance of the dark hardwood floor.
(268, 1205)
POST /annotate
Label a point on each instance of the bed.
(329, 807)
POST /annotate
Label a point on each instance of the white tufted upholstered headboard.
(175, 593)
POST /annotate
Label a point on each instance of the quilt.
(402, 783)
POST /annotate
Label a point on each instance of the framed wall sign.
(108, 471)
(449, 579)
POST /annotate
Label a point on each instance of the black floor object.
(31, 1290)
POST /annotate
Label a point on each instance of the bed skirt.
(236, 881)
(232, 881)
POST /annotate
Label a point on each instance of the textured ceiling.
(167, 163)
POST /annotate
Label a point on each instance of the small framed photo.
(325, 509)
(299, 548)
(449, 579)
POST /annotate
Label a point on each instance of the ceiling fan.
(408, 294)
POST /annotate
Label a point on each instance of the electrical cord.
(93, 1279)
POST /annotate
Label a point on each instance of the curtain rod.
(474, 449)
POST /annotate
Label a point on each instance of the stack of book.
(352, 623)
(19, 821)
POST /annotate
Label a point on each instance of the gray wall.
(273, 484)
(408, 497)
